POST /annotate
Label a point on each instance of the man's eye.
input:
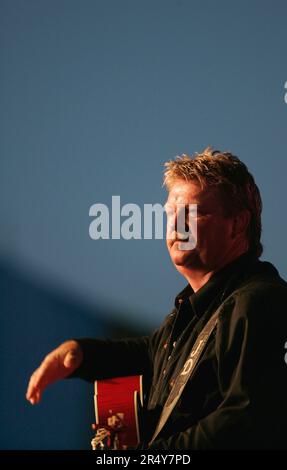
(203, 214)
(169, 210)
(191, 212)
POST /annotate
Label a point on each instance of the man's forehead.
(191, 192)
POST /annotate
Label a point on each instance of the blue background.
(95, 97)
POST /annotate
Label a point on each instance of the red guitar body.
(116, 406)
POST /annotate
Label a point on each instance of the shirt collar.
(216, 285)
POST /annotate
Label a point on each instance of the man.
(236, 396)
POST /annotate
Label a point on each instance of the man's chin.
(181, 257)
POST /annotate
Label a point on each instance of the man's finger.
(31, 387)
(38, 380)
(34, 397)
(33, 394)
(38, 396)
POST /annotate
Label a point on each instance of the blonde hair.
(228, 174)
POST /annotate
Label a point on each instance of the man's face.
(214, 231)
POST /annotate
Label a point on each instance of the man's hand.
(57, 365)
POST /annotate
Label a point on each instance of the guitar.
(117, 403)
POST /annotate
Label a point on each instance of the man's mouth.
(180, 240)
(180, 237)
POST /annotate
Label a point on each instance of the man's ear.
(240, 223)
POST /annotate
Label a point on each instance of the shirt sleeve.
(109, 358)
(252, 377)
(114, 358)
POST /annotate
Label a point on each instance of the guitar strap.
(185, 374)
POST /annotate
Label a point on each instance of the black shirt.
(236, 397)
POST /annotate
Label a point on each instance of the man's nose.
(181, 225)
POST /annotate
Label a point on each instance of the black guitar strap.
(185, 374)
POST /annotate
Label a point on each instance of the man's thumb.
(71, 360)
